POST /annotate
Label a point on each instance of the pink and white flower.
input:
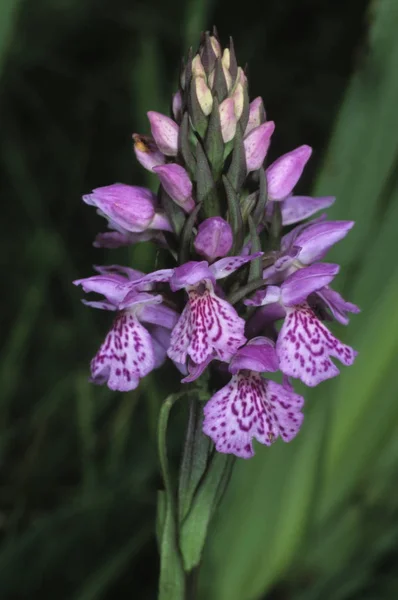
(305, 345)
(130, 351)
(250, 406)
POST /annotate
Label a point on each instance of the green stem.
(192, 579)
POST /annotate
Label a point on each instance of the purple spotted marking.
(251, 407)
(126, 355)
(207, 324)
(305, 345)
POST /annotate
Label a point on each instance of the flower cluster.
(243, 256)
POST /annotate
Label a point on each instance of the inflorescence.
(247, 292)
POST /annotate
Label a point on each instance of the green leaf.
(174, 213)
(237, 170)
(206, 192)
(184, 144)
(214, 144)
(234, 216)
(194, 458)
(186, 235)
(194, 528)
(255, 271)
(220, 85)
(259, 211)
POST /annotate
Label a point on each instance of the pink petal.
(305, 345)
(225, 266)
(304, 282)
(113, 287)
(285, 172)
(251, 407)
(125, 356)
(165, 132)
(298, 208)
(256, 145)
(147, 152)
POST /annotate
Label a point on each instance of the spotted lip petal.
(126, 355)
(207, 324)
(251, 407)
(305, 345)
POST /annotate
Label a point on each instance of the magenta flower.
(304, 345)
(147, 152)
(252, 407)
(297, 208)
(129, 207)
(256, 144)
(177, 184)
(129, 351)
(165, 133)
(208, 323)
(214, 238)
(304, 245)
(257, 114)
(285, 172)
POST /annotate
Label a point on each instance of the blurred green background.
(314, 519)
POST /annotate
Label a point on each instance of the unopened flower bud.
(228, 77)
(241, 77)
(228, 119)
(177, 184)
(215, 44)
(285, 172)
(203, 95)
(239, 98)
(147, 152)
(165, 132)
(256, 114)
(256, 145)
(128, 206)
(226, 58)
(197, 67)
(214, 238)
(177, 106)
